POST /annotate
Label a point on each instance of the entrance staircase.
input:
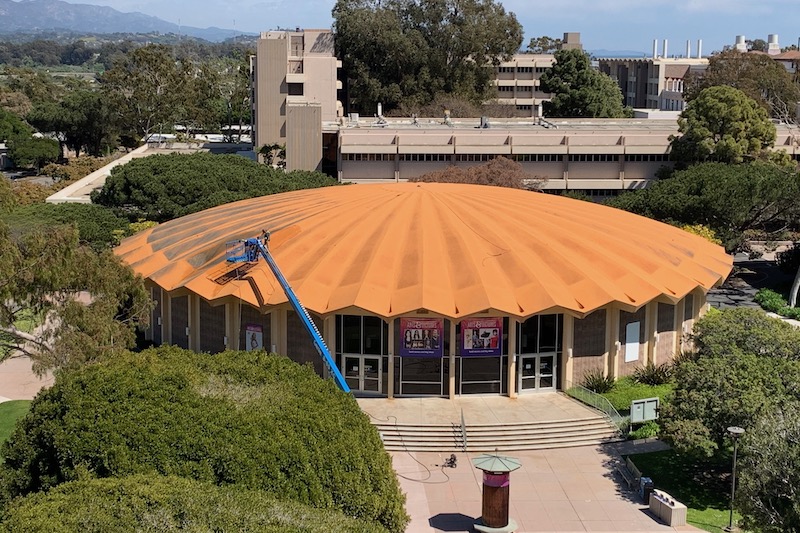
(505, 437)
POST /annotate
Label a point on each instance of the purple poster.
(421, 337)
(482, 336)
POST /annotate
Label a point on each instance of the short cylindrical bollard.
(496, 483)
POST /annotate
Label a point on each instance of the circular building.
(432, 288)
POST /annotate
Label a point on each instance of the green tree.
(757, 75)
(408, 51)
(579, 90)
(247, 419)
(152, 502)
(729, 199)
(722, 124)
(163, 187)
(544, 45)
(12, 126)
(44, 272)
(768, 495)
(33, 151)
(144, 89)
(37, 85)
(746, 364)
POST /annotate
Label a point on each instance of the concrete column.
(567, 343)
(329, 336)
(274, 326)
(679, 310)
(194, 322)
(612, 334)
(166, 318)
(231, 326)
(390, 385)
(512, 357)
(452, 360)
(651, 335)
(279, 331)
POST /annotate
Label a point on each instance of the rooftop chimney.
(664, 53)
(655, 48)
(699, 48)
(688, 48)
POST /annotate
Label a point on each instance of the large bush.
(746, 364)
(155, 503)
(244, 418)
(97, 226)
(163, 187)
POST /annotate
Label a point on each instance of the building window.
(537, 158)
(505, 70)
(475, 158)
(542, 70)
(368, 157)
(593, 158)
(295, 89)
(425, 157)
(505, 88)
(361, 335)
(524, 70)
(646, 158)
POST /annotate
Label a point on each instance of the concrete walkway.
(571, 489)
(17, 380)
(477, 409)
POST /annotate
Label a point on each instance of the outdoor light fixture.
(734, 432)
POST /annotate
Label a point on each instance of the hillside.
(55, 15)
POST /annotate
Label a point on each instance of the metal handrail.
(463, 432)
(599, 402)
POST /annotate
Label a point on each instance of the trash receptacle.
(645, 488)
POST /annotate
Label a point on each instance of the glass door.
(546, 372)
(363, 373)
(527, 373)
(536, 372)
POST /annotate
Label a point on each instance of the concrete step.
(505, 437)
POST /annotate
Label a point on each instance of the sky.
(603, 24)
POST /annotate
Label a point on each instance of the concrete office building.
(655, 82)
(294, 84)
(517, 80)
(433, 289)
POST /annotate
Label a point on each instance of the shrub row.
(249, 419)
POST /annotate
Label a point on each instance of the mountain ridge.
(39, 15)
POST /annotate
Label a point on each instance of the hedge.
(155, 503)
(244, 418)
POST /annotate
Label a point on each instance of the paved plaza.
(569, 489)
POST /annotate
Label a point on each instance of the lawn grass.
(626, 390)
(703, 485)
(9, 413)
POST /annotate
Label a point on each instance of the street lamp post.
(734, 432)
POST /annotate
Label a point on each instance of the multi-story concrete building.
(655, 82)
(517, 80)
(294, 84)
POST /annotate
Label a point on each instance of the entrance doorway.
(363, 373)
(536, 372)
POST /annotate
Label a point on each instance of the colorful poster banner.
(253, 337)
(421, 337)
(482, 336)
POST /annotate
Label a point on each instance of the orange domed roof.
(452, 249)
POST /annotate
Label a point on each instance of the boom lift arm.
(248, 251)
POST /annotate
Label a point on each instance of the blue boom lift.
(247, 251)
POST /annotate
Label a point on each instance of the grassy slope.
(703, 485)
(625, 391)
(9, 413)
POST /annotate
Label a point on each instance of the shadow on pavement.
(451, 522)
